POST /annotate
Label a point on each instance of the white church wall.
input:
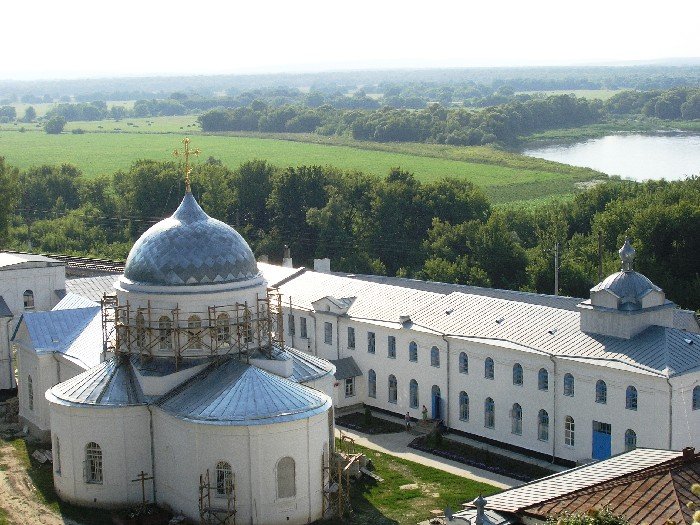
(686, 421)
(42, 281)
(7, 376)
(123, 436)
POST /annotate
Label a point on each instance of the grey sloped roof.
(275, 274)
(345, 368)
(92, 288)
(4, 309)
(307, 367)
(13, 261)
(657, 350)
(190, 248)
(72, 301)
(111, 383)
(629, 286)
(512, 500)
(231, 392)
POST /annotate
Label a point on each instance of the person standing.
(425, 413)
(408, 421)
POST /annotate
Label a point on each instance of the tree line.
(444, 231)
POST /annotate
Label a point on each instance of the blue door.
(437, 401)
(601, 440)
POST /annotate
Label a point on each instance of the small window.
(302, 328)
(543, 379)
(223, 329)
(601, 392)
(631, 398)
(630, 440)
(56, 452)
(413, 352)
(568, 385)
(30, 393)
(224, 479)
(696, 398)
(516, 419)
(435, 356)
(351, 337)
(488, 368)
(463, 363)
(93, 463)
(413, 393)
(371, 342)
(463, 406)
(569, 429)
(165, 333)
(518, 374)
(194, 330)
(349, 386)
(391, 343)
(28, 300)
(372, 384)
(489, 413)
(286, 478)
(328, 333)
(393, 389)
(543, 426)
(291, 325)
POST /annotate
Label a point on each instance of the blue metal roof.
(231, 392)
(72, 300)
(190, 248)
(4, 309)
(307, 367)
(111, 383)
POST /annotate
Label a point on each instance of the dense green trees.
(55, 125)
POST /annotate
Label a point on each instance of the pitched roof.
(345, 368)
(4, 309)
(564, 483)
(306, 367)
(92, 288)
(14, 261)
(72, 300)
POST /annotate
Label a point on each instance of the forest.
(444, 230)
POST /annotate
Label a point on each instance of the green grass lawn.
(384, 503)
(505, 177)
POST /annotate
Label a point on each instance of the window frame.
(696, 398)
(543, 425)
(543, 380)
(630, 444)
(278, 476)
(328, 333)
(94, 464)
(303, 333)
(372, 384)
(413, 352)
(489, 413)
(371, 343)
(291, 325)
(569, 431)
(601, 392)
(349, 387)
(463, 363)
(435, 357)
(631, 398)
(463, 406)
(393, 389)
(28, 300)
(413, 399)
(569, 383)
(489, 369)
(518, 374)
(351, 337)
(391, 347)
(516, 419)
(224, 479)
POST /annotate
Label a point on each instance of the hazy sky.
(50, 39)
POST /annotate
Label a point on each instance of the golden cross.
(186, 153)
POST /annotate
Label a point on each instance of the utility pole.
(600, 255)
(556, 269)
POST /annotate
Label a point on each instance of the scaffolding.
(240, 329)
(217, 514)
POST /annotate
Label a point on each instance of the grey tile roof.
(275, 275)
(562, 483)
(111, 383)
(72, 300)
(307, 367)
(230, 392)
(657, 350)
(345, 368)
(92, 288)
(4, 309)
(190, 248)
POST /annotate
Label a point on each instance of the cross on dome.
(186, 153)
(627, 255)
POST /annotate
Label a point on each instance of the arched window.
(224, 479)
(631, 398)
(568, 385)
(413, 393)
(463, 406)
(543, 379)
(286, 478)
(413, 351)
(194, 329)
(488, 368)
(601, 392)
(517, 374)
(569, 428)
(28, 300)
(30, 393)
(463, 363)
(696, 398)
(393, 389)
(165, 332)
(434, 356)
(93, 463)
(543, 426)
(372, 383)
(223, 330)
(516, 419)
(630, 440)
(140, 331)
(489, 413)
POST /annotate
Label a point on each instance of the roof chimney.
(287, 259)
(322, 265)
(688, 454)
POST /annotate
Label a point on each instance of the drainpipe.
(554, 409)
(9, 350)
(337, 335)
(153, 453)
(313, 316)
(449, 395)
(670, 413)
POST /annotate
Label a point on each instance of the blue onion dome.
(190, 248)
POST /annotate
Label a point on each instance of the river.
(631, 156)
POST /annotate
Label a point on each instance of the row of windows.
(291, 326)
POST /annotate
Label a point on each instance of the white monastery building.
(216, 375)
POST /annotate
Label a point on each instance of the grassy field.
(505, 177)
